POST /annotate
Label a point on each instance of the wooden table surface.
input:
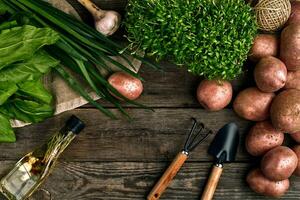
(121, 160)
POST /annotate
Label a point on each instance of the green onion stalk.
(81, 49)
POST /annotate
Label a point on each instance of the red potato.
(296, 149)
(261, 185)
(285, 111)
(264, 45)
(214, 95)
(262, 138)
(279, 163)
(253, 104)
(293, 80)
(296, 136)
(290, 47)
(270, 74)
(127, 85)
(295, 13)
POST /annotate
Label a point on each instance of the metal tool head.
(197, 135)
(225, 144)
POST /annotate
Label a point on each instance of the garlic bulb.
(107, 22)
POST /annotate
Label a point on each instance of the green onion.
(83, 50)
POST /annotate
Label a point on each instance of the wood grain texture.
(166, 179)
(151, 136)
(212, 183)
(133, 181)
(121, 160)
(174, 87)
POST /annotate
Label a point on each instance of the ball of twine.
(272, 14)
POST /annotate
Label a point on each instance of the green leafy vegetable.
(80, 48)
(8, 25)
(66, 41)
(6, 131)
(31, 111)
(211, 37)
(27, 110)
(39, 64)
(4, 8)
(73, 83)
(35, 90)
(7, 89)
(22, 95)
(20, 43)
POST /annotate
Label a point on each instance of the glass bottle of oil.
(31, 170)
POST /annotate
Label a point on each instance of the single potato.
(253, 104)
(290, 47)
(296, 149)
(293, 80)
(270, 74)
(295, 13)
(262, 138)
(214, 95)
(285, 111)
(261, 185)
(279, 163)
(127, 85)
(264, 45)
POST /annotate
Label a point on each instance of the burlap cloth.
(65, 98)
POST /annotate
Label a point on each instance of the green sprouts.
(211, 37)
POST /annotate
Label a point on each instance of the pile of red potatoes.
(274, 104)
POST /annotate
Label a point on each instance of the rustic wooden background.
(121, 160)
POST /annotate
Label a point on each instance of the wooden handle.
(167, 177)
(92, 8)
(212, 183)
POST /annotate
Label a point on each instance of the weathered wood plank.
(122, 160)
(160, 89)
(133, 180)
(150, 136)
(174, 87)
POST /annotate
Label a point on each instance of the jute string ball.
(271, 15)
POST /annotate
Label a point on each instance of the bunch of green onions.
(81, 49)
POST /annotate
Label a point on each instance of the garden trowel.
(223, 148)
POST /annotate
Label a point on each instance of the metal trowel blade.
(225, 144)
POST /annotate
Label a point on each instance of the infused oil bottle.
(31, 170)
